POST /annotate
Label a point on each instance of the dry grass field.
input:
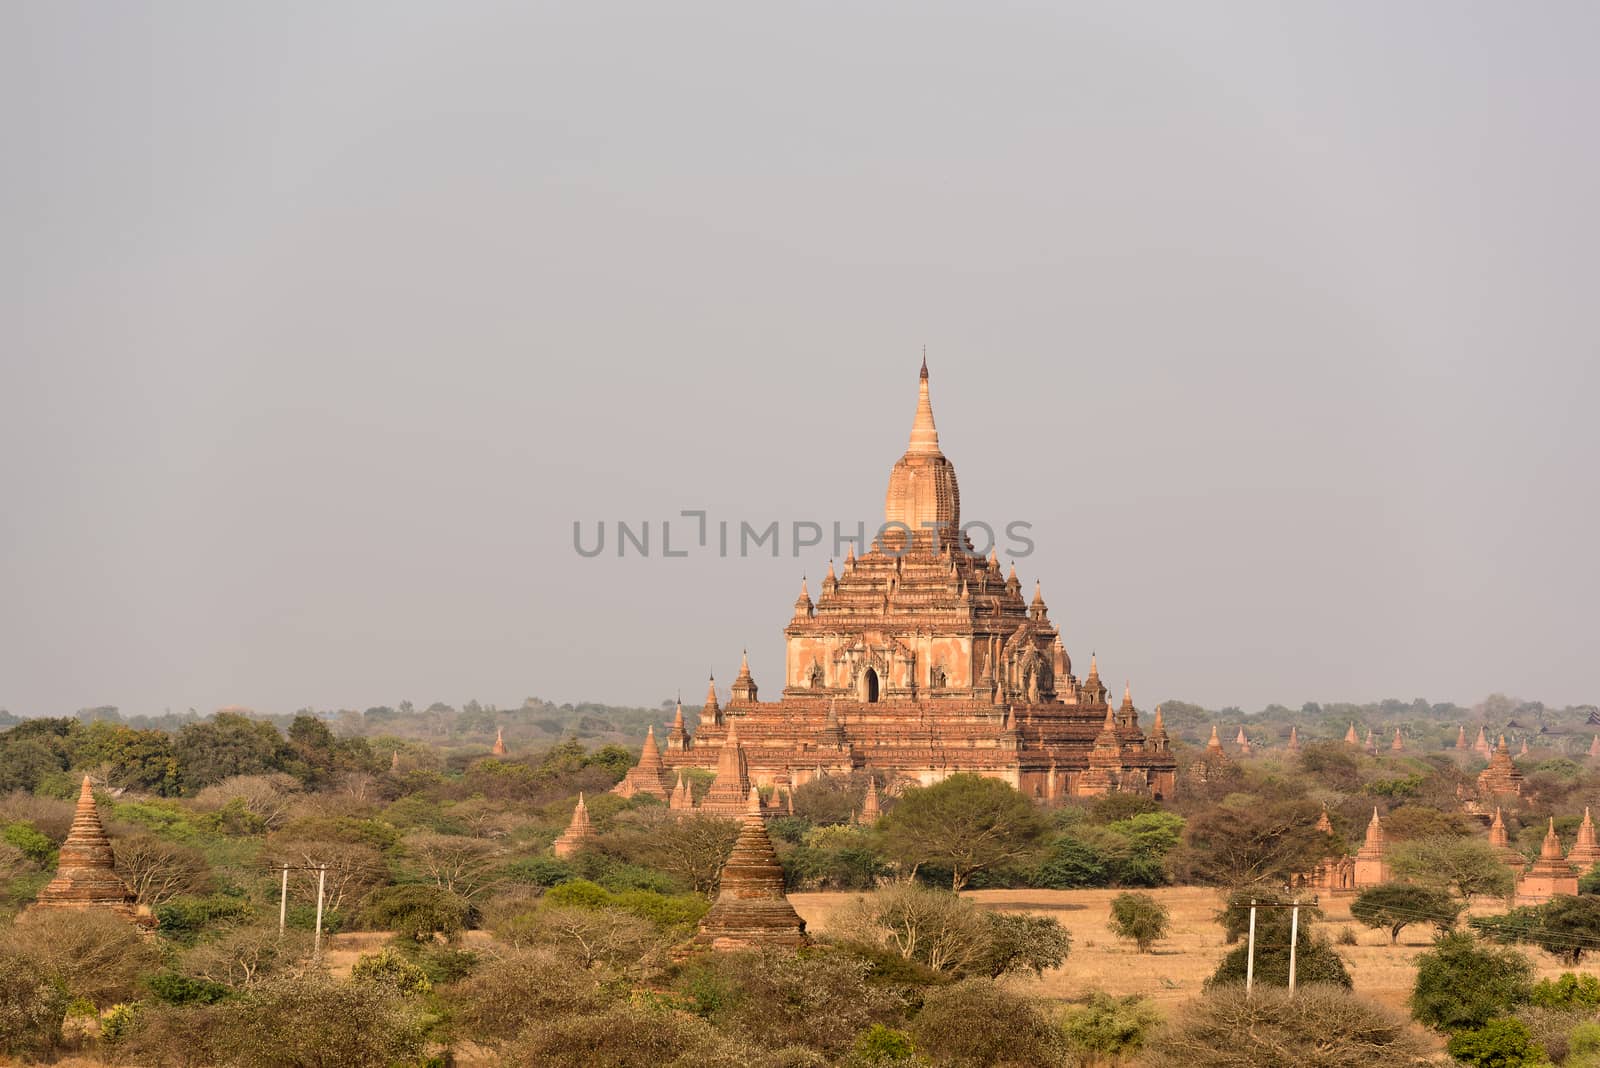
(1178, 966)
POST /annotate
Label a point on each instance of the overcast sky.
(323, 323)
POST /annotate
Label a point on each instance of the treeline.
(1423, 724)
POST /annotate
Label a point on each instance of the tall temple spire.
(499, 747)
(924, 435)
(751, 909)
(579, 831)
(869, 806)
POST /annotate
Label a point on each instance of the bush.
(26, 838)
(176, 989)
(185, 919)
(32, 1008)
(1319, 1025)
(494, 1004)
(1568, 991)
(932, 927)
(389, 969)
(1140, 919)
(91, 954)
(1503, 1043)
(1106, 1027)
(417, 911)
(1396, 906)
(819, 1000)
(626, 1035)
(539, 871)
(878, 1044)
(979, 1023)
(313, 1022)
(1463, 984)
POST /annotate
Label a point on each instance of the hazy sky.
(324, 323)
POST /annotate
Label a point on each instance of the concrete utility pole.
(1250, 953)
(1294, 938)
(283, 902)
(322, 879)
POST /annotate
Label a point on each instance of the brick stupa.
(1500, 841)
(86, 877)
(1586, 851)
(579, 831)
(1501, 776)
(1293, 745)
(1371, 866)
(499, 747)
(751, 910)
(1550, 876)
(648, 776)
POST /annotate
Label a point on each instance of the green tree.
(1252, 841)
(1140, 919)
(967, 823)
(1398, 905)
(1462, 983)
(1568, 991)
(1464, 866)
(1502, 1043)
(226, 744)
(1316, 961)
(1020, 942)
(32, 1007)
(1566, 926)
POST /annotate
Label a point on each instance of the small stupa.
(751, 909)
(1586, 850)
(1371, 866)
(499, 747)
(1398, 744)
(1594, 746)
(1550, 876)
(579, 831)
(869, 806)
(1293, 745)
(1481, 746)
(1214, 744)
(1461, 736)
(1502, 776)
(648, 776)
(1350, 736)
(1500, 841)
(86, 875)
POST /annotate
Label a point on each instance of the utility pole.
(283, 902)
(322, 878)
(1294, 938)
(1250, 953)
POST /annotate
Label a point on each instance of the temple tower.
(1586, 851)
(1371, 867)
(499, 747)
(730, 789)
(648, 776)
(751, 909)
(1550, 875)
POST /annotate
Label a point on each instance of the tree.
(979, 1023)
(159, 870)
(1398, 905)
(1317, 1025)
(967, 823)
(933, 927)
(1019, 942)
(464, 867)
(1462, 983)
(1464, 866)
(496, 1000)
(1140, 919)
(1503, 1043)
(312, 1021)
(1316, 961)
(1566, 926)
(32, 1007)
(692, 847)
(246, 957)
(1251, 842)
(626, 1035)
(417, 911)
(226, 744)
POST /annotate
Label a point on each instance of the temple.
(919, 658)
(86, 875)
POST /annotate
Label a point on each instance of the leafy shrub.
(1568, 991)
(978, 1023)
(1316, 961)
(417, 911)
(31, 1008)
(1318, 1025)
(116, 1023)
(879, 1043)
(1140, 919)
(34, 845)
(626, 1035)
(1022, 942)
(1106, 1027)
(174, 988)
(539, 871)
(312, 1021)
(1463, 984)
(495, 1003)
(185, 919)
(1502, 1043)
(390, 969)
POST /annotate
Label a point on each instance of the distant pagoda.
(751, 909)
(86, 877)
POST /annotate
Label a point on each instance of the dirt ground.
(1180, 964)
